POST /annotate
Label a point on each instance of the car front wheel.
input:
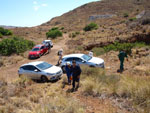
(44, 79)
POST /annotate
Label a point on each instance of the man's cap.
(68, 63)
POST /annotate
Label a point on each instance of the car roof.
(47, 41)
(33, 63)
(73, 55)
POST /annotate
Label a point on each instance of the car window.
(42, 47)
(86, 57)
(77, 59)
(69, 59)
(44, 66)
(35, 49)
(29, 68)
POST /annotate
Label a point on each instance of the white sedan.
(40, 70)
(82, 59)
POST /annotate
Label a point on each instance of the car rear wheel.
(44, 79)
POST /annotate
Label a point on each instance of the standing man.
(76, 71)
(91, 53)
(68, 72)
(60, 54)
(121, 56)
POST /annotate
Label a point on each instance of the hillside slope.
(79, 17)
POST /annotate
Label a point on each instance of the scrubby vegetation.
(132, 19)
(136, 88)
(1, 35)
(74, 34)
(90, 27)
(5, 32)
(25, 96)
(54, 33)
(15, 45)
(126, 15)
(117, 47)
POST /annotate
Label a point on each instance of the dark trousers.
(74, 82)
(68, 76)
(121, 65)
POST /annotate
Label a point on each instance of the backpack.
(58, 53)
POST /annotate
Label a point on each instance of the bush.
(54, 33)
(126, 15)
(1, 35)
(62, 28)
(5, 32)
(132, 19)
(15, 45)
(90, 27)
(74, 34)
(123, 46)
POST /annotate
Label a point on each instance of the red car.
(38, 51)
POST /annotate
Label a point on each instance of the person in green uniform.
(122, 55)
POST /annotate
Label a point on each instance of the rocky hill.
(115, 18)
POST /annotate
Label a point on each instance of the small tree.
(54, 33)
(90, 27)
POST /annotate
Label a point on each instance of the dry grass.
(96, 82)
(25, 96)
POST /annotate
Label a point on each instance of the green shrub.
(77, 32)
(123, 46)
(132, 19)
(1, 35)
(126, 15)
(62, 28)
(5, 32)
(90, 27)
(15, 45)
(74, 34)
(54, 33)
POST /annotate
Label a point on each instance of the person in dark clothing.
(121, 56)
(68, 72)
(76, 71)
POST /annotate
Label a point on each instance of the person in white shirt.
(60, 54)
(91, 53)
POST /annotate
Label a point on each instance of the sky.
(28, 13)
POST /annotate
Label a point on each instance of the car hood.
(96, 60)
(53, 69)
(34, 52)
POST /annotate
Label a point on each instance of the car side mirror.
(36, 70)
(83, 61)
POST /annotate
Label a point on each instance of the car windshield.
(35, 49)
(44, 66)
(86, 57)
